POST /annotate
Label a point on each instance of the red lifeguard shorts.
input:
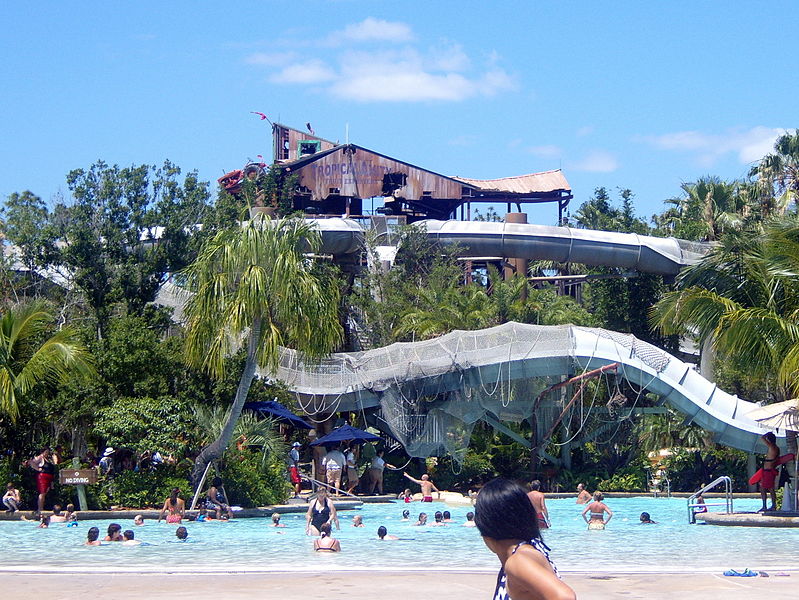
(768, 479)
(43, 482)
(295, 475)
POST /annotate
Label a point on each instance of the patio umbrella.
(781, 415)
(282, 414)
(346, 433)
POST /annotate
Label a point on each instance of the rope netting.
(432, 393)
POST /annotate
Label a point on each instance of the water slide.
(648, 254)
(359, 380)
(396, 376)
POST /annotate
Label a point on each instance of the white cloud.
(584, 131)
(596, 161)
(397, 72)
(408, 86)
(449, 58)
(270, 59)
(371, 29)
(546, 151)
(748, 145)
(309, 72)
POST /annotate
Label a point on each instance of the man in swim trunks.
(583, 496)
(537, 498)
(427, 487)
(45, 473)
(769, 475)
(294, 468)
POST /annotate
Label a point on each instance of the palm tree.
(706, 208)
(28, 357)
(743, 298)
(253, 285)
(256, 431)
(778, 173)
(444, 308)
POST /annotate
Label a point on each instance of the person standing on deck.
(294, 468)
(45, 474)
(769, 475)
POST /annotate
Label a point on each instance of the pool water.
(252, 545)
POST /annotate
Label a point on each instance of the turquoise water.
(250, 544)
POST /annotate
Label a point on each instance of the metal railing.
(692, 504)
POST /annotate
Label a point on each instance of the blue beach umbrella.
(346, 433)
(275, 409)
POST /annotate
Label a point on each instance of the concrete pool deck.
(387, 585)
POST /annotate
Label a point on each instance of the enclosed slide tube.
(665, 256)
(467, 359)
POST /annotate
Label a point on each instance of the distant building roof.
(548, 181)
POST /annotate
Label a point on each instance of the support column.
(517, 266)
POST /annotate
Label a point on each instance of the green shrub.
(626, 480)
(143, 489)
(251, 481)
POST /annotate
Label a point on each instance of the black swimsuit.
(320, 517)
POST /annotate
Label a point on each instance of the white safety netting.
(431, 393)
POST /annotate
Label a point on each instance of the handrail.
(727, 497)
(330, 487)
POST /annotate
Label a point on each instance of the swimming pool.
(251, 545)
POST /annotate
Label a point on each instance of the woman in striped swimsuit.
(507, 521)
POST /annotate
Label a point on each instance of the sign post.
(80, 478)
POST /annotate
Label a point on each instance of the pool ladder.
(692, 504)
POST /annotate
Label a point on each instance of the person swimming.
(646, 519)
(406, 515)
(382, 534)
(326, 542)
(422, 520)
(92, 537)
(276, 520)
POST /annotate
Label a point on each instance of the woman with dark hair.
(114, 533)
(507, 521)
(326, 542)
(92, 537)
(321, 510)
(175, 507)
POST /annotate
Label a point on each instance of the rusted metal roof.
(532, 183)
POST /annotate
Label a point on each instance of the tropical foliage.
(252, 286)
(32, 354)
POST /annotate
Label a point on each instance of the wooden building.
(335, 179)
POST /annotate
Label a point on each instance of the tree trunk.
(216, 449)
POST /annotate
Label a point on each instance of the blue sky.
(643, 95)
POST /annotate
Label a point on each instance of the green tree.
(252, 285)
(777, 174)
(705, 210)
(30, 354)
(125, 230)
(743, 298)
(26, 223)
